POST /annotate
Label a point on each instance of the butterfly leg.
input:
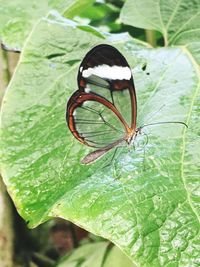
(112, 159)
(142, 145)
(144, 151)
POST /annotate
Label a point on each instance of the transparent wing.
(93, 120)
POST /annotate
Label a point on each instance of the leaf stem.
(5, 67)
(150, 37)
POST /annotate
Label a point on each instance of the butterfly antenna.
(150, 116)
(163, 122)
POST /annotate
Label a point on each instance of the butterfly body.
(130, 137)
(102, 112)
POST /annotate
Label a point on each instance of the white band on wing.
(108, 72)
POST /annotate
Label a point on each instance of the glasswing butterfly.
(102, 112)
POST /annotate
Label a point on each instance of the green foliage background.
(152, 215)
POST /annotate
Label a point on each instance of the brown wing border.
(77, 100)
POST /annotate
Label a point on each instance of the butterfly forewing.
(105, 71)
(122, 102)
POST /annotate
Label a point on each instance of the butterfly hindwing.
(92, 120)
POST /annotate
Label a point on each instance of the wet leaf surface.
(146, 200)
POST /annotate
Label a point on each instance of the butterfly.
(102, 112)
(95, 112)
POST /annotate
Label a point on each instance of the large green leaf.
(18, 17)
(146, 203)
(177, 20)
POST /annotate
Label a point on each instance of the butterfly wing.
(93, 120)
(97, 112)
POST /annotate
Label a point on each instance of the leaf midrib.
(171, 39)
(172, 15)
(185, 130)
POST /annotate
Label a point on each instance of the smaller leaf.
(178, 21)
(87, 255)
